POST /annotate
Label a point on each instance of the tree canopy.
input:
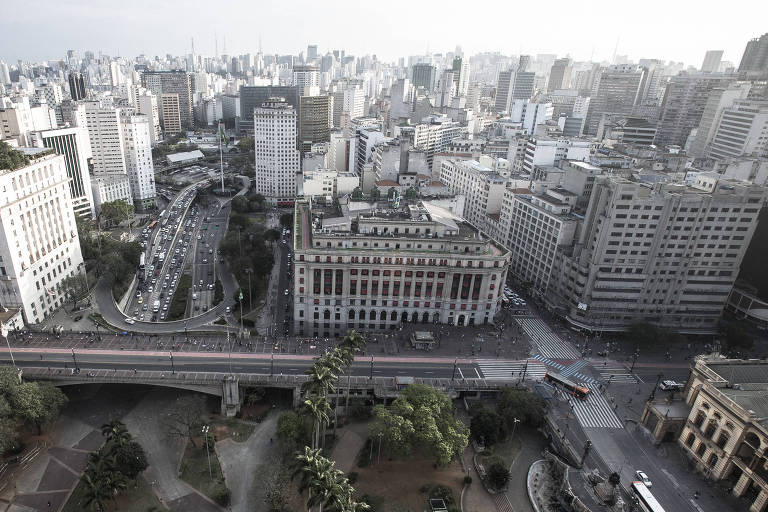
(525, 406)
(487, 426)
(421, 416)
(286, 220)
(10, 158)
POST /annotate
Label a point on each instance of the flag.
(223, 134)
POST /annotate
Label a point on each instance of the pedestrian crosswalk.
(502, 503)
(548, 343)
(499, 369)
(616, 373)
(563, 369)
(595, 411)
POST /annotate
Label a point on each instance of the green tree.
(240, 204)
(375, 194)
(352, 342)
(116, 211)
(391, 192)
(103, 481)
(246, 144)
(286, 220)
(271, 236)
(498, 475)
(527, 407)
(319, 407)
(486, 426)
(130, 458)
(34, 403)
(74, 287)
(423, 416)
(293, 430)
(411, 193)
(357, 194)
(11, 159)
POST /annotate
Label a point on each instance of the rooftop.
(745, 381)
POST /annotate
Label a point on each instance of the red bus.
(152, 224)
(570, 386)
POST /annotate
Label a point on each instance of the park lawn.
(397, 483)
(194, 468)
(232, 428)
(506, 450)
(138, 497)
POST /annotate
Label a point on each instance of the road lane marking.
(477, 373)
(460, 373)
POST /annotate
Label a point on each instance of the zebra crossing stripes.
(502, 503)
(499, 369)
(562, 369)
(616, 373)
(548, 343)
(595, 411)
(575, 367)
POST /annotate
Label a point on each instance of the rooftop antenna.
(215, 46)
(260, 44)
(616, 49)
(225, 45)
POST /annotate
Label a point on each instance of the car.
(165, 307)
(205, 308)
(670, 385)
(228, 309)
(145, 307)
(640, 475)
(205, 260)
(138, 294)
(165, 284)
(210, 286)
(140, 300)
(136, 312)
(286, 291)
(130, 321)
(151, 289)
(154, 280)
(141, 317)
(283, 241)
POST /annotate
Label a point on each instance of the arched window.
(351, 314)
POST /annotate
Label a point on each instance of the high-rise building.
(106, 138)
(683, 105)
(72, 143)
(524, 62)
(423, 75)
(504, 87)
(755, 58)
(461, 75)
(618, 91)
(173, 82)
(77, 86)
(711, 62)
(524, 85)
(560, 74)
(39, 244)
(254, 96)
(147, 105)
(432, 136)
(315, 120)
(5, 75)
(311, 52)
(446, 89)
(137, 144)
(306, 76)
(348, 101)
(719, 99)
(170, 114)
(276, 155)
(742, 131)
(482, 187)
(381, 267)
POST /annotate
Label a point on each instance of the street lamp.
(653, 391)
(371, 375)
(75, 360)
(206, 428)
(173, 369)
(634, 360)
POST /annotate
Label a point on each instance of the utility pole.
(634, 360)
(206, 428)
(272, 365)
(73, 359)
(653, 391)
(249, 271)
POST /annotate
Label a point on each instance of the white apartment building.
(364, 142)
(540, 151)
(741, 131)
(530, 114)
(276, 155)
(432, 135)
(664, 253)
(372, 267)
(18, 120)
(328, 183)
(39, 245)
(73, 144)
(137, 143)
(110, 187)
(106, 138)
(147, 105)
(306, 76)
(483, 188)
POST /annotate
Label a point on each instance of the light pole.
(206, 428)
(634, 360)
(653, 391)
(371, 375)
(272, 364)
(453, 376)
(173, 369)
(75, 360)
(249, 271)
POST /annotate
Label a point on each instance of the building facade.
(315, 120)
(375, 267)
(73, 144)
(39, 244)
(137, 143)
(110, 187)
(173, 82)
(170, 114)
(276, 155)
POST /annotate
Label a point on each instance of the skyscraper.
(170, 114)
(524, 85)
(106, 138)
(424, 76)
(503, 91)
(560, 74)
(315, 120)
(618, 91)
(742, 131)
(77, 86)
(305, 76)
(755, 58)
(719, 99)
(137, 144)
(276, 156)
(712, 61)
(253, 96)
(172, 82)
(461, 75)
(73, 144)
(311, 52)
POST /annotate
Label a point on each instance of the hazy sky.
(680, 30)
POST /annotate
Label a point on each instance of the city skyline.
(80, 26)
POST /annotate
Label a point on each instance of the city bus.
(141, 261)
(570, 386)
(152, 225)
(645, 499)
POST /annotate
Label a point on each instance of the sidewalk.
(476, 498)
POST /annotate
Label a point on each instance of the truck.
(156, 306)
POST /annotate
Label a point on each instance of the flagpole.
(221, 158)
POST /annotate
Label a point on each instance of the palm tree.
(116, 432)
(314, 470)
(96, 492)
(321, 378)
(352, 342)
(319, 407)
(103, 481)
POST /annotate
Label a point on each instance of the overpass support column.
(297, 396)
(230, 398)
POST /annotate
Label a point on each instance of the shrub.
(222, 495)
(352, 477)
(467, 479)
(498, 475)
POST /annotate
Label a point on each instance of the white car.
(670, 385)
(643, 478)
(130, 321)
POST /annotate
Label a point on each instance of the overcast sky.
(679, 30)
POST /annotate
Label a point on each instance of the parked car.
(670, 385)
(643, 478)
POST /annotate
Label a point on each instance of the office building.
(5, 75)
(742, 131)
(446, 89)
(755, 58)
(725, 434)
(504, 87)
(482, 187)
(311, 52)
(366, 137)
(137, 145)
(105, 136)
(315, 120)
(306, 76)
(19, 120)
(376, 266)
(719, 99)
(667, 253)
(276, 156)
(173, 82)
(618, 91)
(530, 114)
(548, 151)
(711, 62)
(73, 145)
(348, 101)
(683, 105)
(432, 135)
(110, 187)
(254, 96)
(324, 183)
(170, 114)
(39, 244)
(77, 86)
(560, 75)
(423, 75)
(461, 76)
(524, 85)
(147, 104)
